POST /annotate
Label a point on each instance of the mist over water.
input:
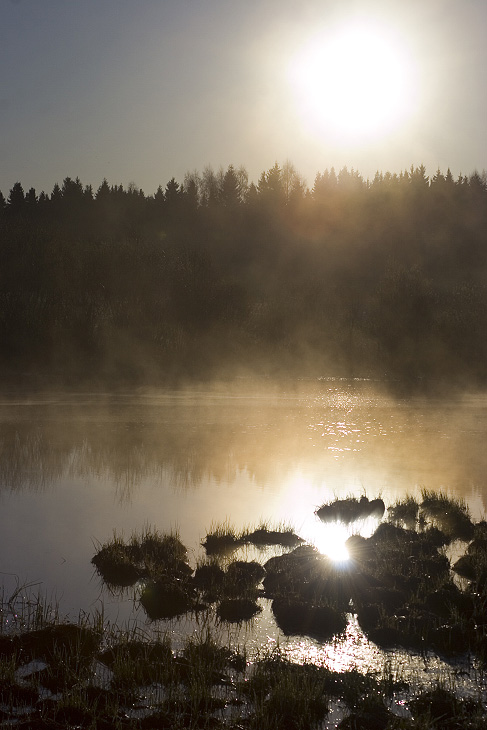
(75, 468)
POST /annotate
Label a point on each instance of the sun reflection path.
(330, 537)
(351, 650)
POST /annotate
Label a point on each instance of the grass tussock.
(151, 554)
(223, 539)
(286, 695)
(404, 511)
(450, 515)
(350, 509)
(436, 509)
(266, 534)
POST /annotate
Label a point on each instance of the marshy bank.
(91, 675)
(74, 471)
(398, 585)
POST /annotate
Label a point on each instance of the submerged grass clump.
(236, 610)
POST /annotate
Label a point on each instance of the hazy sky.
(143, 90)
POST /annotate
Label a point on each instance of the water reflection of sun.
(298, 504)
(330, 540)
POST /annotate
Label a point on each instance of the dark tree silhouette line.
(216, 276)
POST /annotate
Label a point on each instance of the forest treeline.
(213, 276)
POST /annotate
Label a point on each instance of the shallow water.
(74, 468)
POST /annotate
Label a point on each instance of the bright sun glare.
(355, 82)
(330, 541)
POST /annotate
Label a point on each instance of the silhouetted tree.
(210, 187)
(16, 201)
(230, 194)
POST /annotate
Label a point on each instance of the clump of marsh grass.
(222, 539)
(308, 577)
(150, 555)
(242, 576)
(163, 599)
(350, 509)
(451, 515)
(439, 707)
(116, 562)
(209, 579)
(158, 558)
(235, 589)
(135, 661)
(302, 618)
(286, 695)
(404, 511)
(205, 653)
(266, 535)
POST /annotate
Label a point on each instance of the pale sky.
(144, 90)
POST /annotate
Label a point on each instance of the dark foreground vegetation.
(399, 583)
(213, 276)
(142, 684)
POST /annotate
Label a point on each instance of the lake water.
(74, 468)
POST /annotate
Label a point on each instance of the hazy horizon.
(142, 93)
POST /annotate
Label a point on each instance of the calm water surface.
(74, 468)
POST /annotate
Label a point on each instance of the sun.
(355, 82)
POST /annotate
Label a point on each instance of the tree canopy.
(216, 275)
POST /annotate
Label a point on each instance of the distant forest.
(216, 277)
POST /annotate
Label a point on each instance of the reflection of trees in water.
(33, 456)
(182, 446)
(30, 458)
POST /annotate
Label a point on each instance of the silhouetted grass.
(222, 539)
(405, 511)
(150, 555)
(206, 684)
(350, 509)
